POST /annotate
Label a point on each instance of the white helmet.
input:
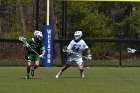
(77, 35)
(38, 35)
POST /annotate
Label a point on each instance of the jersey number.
(75, 48)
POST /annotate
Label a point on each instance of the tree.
(85, 16)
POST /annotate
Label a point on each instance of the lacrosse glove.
(41, 56)
(26, 45)
(69, 51)
(89, 57)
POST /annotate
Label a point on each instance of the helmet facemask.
(77, 35)
(38, 36)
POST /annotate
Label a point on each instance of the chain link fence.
(106, 52)
(20, 17)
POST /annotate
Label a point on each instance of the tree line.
(95, 19)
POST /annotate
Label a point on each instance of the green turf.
(97, 80)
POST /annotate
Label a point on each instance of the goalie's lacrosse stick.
(23, 39)
(130, 50)
(65, 49)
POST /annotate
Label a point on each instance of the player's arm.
(69, 48)
(43, 51)
(88, 51)
(89, 56)
(27, 44)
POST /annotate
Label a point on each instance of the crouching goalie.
(35, 51)
(76, 47)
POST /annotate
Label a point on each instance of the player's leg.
(62, 70)
(67, 65)
(30, 59)
(36, 65)
(28, 69)
(80, 64)
(29, 63)
(81, 69)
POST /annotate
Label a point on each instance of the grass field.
(97, 80)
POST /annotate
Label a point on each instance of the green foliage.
(14, 35)
(95, 19)
(135, 20)
(84, 16)
(76, 12)
(11, 34)
(99, 49)
(96, 28)
(26, 1)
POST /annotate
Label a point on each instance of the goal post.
(48, 39)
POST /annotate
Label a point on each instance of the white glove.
(89, 57)
(70, 51)
(41, 56)
(26, 45)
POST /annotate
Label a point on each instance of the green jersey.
(37, 46)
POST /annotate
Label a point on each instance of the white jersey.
(77, 47)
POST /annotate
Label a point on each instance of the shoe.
(82, 75)
(27, 77)
(58, 74)
(32, 72)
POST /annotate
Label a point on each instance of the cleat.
(82, 75)
(27, 77)
(32, 72)
(58, 74)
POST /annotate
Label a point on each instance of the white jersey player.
(77, 45)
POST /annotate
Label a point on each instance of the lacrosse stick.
(65, 49)
(130, 50)
(23, 39)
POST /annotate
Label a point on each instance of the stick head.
(130, 50)
(64, 49)
(22, 39)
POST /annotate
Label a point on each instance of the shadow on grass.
(30, 78)
(73, 77)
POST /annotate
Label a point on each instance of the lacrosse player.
(76, 47)
(35, 44)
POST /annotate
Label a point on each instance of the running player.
(77, 45)
(36, 44)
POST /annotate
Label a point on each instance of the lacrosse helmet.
(77, 35)
(38, 35)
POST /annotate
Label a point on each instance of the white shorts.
(79, 61)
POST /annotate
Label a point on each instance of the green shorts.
(32, 57)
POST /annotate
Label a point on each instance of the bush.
(10, 35)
